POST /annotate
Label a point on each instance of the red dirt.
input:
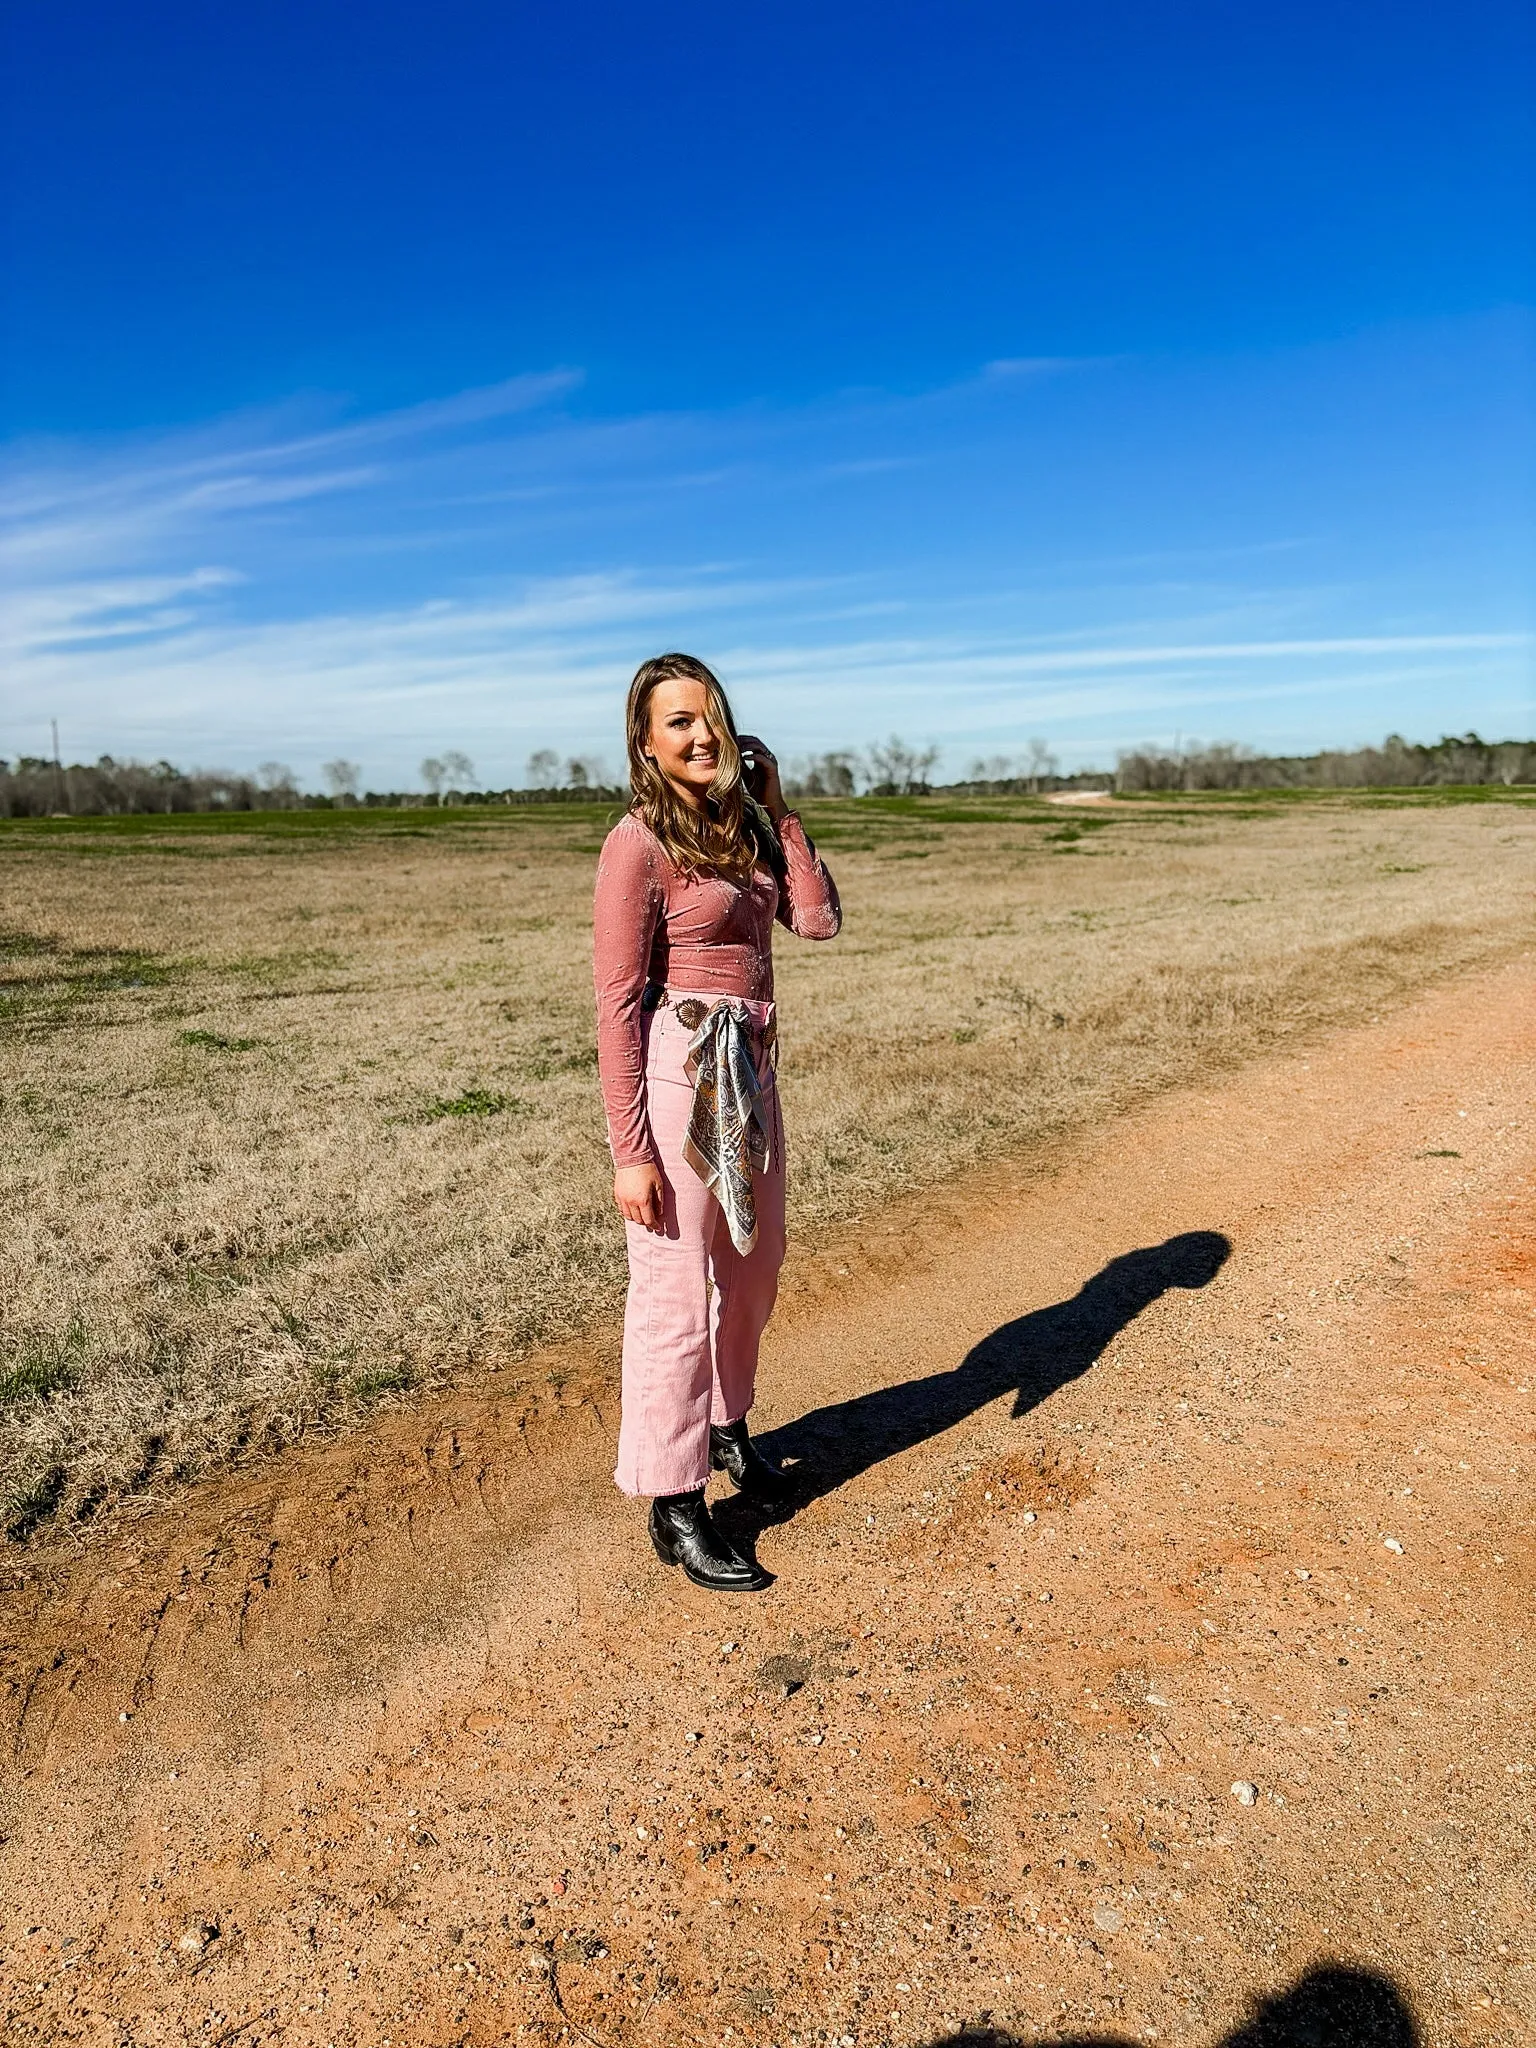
(408, 1740)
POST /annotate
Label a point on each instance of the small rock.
(1244, 1793)
(1046, 1596)
(1155, 1700)
(1391, 1543)
(1108, 1919)
(1030, 1515)
(195, 1937)
(694, 1735)
(1301, 1574)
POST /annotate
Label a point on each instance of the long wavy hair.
(733, 831)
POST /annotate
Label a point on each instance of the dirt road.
(1197, 1458)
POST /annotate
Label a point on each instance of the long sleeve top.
(699, 934)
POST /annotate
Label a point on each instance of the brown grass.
(296, 1119)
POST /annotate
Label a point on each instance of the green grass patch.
(18, 945)
(382, 1379)
(117, 970)
(48, 983)
(159, 831)
(35, 1367)
(270, 967)
(1079, 828)
(28, 1507)
(473, 1102)
(550, 1060)
(1231, 802)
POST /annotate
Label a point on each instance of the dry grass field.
(300, 1111)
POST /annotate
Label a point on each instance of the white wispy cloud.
(485, 568)
(1040, 366)
(65, 506)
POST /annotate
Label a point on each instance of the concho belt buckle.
(690, 1014)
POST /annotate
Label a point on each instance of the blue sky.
(384, 380)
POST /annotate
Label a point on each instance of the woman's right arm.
(627, 905)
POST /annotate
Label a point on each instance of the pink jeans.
(690, 1347)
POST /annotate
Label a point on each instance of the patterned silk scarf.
(727, 1139)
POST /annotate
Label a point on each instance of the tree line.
(33, 786)
(1456, 760)
(36, 787)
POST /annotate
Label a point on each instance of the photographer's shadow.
(1031, 1357)
(1334, 2005)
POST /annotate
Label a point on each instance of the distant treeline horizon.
(33, 786)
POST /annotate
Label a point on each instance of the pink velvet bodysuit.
(698, 935)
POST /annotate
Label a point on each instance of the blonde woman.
(688, 888)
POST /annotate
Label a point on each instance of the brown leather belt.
(690, 1012)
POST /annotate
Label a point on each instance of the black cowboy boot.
(732, 1451)
(683, 1534)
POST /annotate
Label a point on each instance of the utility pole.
(58, 769)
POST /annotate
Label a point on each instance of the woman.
(688, 888)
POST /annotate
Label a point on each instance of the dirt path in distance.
(407, 1741)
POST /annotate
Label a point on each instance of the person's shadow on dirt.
(1330, 2007)
(1032, 1357)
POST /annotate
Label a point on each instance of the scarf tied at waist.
(728, 1134)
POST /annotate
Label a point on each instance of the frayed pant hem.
(642, 1492)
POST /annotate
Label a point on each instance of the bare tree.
(900, 770)
(341, 776)
(277, 786)
(459, 769)
(543, 768)
(1041, 763)
(840, 772)
(432, 773)
(834, 774)
(576, 776)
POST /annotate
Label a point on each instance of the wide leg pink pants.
(696, 1308)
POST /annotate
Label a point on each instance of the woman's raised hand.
(638, 1194)
(772, 796)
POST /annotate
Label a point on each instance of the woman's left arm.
(808, 902)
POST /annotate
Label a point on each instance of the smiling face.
(681, 741)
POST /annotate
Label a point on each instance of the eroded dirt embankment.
(408, 1740)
